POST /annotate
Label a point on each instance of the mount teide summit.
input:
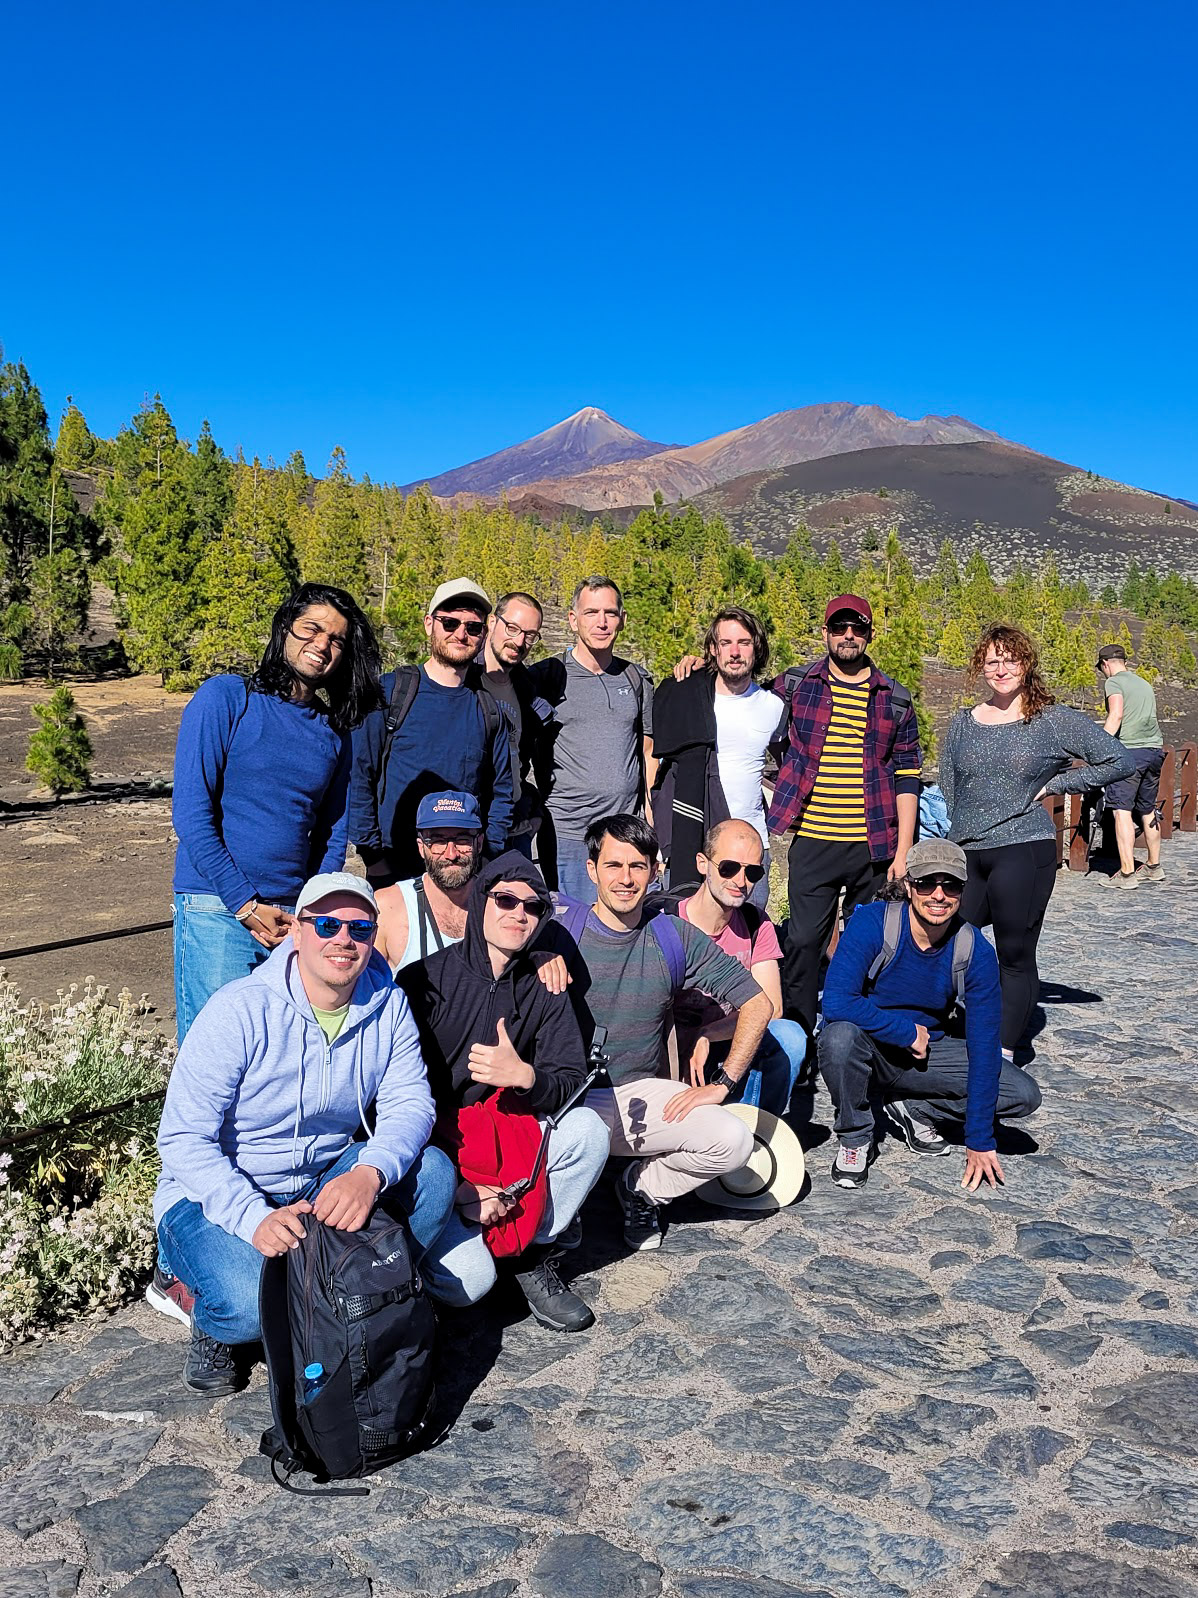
(590, 461)
(589, 438)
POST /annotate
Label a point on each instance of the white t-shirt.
(745, 725)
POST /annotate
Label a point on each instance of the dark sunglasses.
(728, 869)
(453, 624)
(837, 629)
(512, 901)
(330, 926)
(929, 885)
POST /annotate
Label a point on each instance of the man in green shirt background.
(1131, 717)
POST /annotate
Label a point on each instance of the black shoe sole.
(560, 1326)
(896, 1124)
(223, 1390)
(845, 1180)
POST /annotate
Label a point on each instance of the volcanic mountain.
(589, 438)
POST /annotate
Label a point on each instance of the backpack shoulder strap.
(492, 714)
(673, 950)
(574, 919)
(962, 955)
(636, 682)
(427, 921)
(403, 692)
(899, 695)
(892, 931)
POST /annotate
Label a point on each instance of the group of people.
(556, 847)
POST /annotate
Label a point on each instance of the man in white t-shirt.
(711, 732)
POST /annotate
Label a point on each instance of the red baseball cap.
(853, 604)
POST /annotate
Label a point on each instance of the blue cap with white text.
(449, 810)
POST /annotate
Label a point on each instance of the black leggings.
(1009, 888)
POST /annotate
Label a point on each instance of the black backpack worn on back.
(352, 1304)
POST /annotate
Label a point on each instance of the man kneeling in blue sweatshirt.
(891, 1022)
(264, 1103)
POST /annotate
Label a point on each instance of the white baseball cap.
(329, 882)
(460, 588)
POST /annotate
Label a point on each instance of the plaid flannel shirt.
(892, 755)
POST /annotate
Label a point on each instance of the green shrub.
(60, 751)
(10, 662)
(76, 1229)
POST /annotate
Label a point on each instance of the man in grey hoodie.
(264, 1103)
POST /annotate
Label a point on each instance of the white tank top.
(434, 938)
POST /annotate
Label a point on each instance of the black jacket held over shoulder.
(457, 1000)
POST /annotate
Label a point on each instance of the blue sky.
(427, 232)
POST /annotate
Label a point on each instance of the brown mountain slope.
(812, 432)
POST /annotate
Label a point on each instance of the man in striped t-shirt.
(848, 790)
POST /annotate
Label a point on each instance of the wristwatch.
(721, 1079)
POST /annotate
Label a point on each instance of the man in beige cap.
(438, 730)
(901, 975)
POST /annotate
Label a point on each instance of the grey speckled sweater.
(991, 774)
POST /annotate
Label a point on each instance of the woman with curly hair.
(1000, 759)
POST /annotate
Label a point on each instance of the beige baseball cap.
(461, 589)
(329, 882)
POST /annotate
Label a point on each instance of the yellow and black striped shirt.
(835, 811)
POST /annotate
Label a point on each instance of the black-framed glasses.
(837, 629)
(329, 926)
(951, 886)
(307, 632)
(530, 635)
(536, 908)
(729, 868)
(453, 624)
(463, 842)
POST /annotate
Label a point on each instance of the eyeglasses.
(329, 926)
(729, 869)
(535, 908)
(837, 629)
(307, 632)
(951, 886)
(464, 843)
(530, 635)
(453, 624)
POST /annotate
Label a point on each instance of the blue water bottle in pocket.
(313, 1381)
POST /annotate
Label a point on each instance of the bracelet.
(250, 914)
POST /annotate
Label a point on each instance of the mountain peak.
(578, 443)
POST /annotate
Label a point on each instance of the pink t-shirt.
(693, 1008)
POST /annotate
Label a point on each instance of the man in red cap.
(848, 789)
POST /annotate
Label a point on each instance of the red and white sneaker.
(167, 1294)
(850, 1168)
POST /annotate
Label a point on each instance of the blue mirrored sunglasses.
(330, 926)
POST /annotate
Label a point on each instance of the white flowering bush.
(76, 1231)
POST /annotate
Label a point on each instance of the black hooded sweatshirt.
(456, 1001)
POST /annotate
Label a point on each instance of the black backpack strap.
(404, 687)
(962, 955)
(892, 931)
(900, 696)
(427, 920)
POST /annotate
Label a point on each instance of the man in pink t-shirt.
(729, 867)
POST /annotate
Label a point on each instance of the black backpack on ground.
(353, 1304)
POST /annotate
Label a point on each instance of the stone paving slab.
(904, 1390)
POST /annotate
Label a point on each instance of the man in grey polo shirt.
(597, 754)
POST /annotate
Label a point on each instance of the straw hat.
(774, 1174)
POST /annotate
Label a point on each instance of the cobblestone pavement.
(901, 1390)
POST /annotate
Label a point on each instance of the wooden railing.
(1178, 806)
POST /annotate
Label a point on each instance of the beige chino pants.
(677, 1156)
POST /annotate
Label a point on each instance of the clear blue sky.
(426, 232)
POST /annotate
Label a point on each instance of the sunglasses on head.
(536, 908)
(837, 629)
(929, 885)
(453, 624)
(729, 868)
(330, 926)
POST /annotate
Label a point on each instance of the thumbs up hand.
(498, 1065)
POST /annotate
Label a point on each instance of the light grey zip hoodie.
(259, 1103)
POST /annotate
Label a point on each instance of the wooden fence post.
(1165, 801)
(1188, 783)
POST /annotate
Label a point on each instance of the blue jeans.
(572, 879)
(460, 1269)
(771, 1079)
(223, 1271)
(211, 948)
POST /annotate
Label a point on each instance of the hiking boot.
(168, 1296)
(1127, 879)
(550, 1300)
(850, 1168)
(1154, 873)
(210, 1369)
(572, 1236)
(642, 1224)
(919, 1137)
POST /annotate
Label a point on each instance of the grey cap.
(329, 882)
(463, 590)
(1111, 652)
(937, 854)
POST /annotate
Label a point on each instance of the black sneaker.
(919, 1136)
(642, 1224)
(571, 1237)
(850, 1168)
(550, 1300)
(167, 1294)
(210, 1369)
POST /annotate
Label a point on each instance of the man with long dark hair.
(261, 784)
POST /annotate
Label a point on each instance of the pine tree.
(59, 595)
(74, 448)
(60, 750)
(335, 550)
(954, 648)
(209, 479)
(245, 574)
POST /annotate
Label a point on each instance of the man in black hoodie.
(487, 1023)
